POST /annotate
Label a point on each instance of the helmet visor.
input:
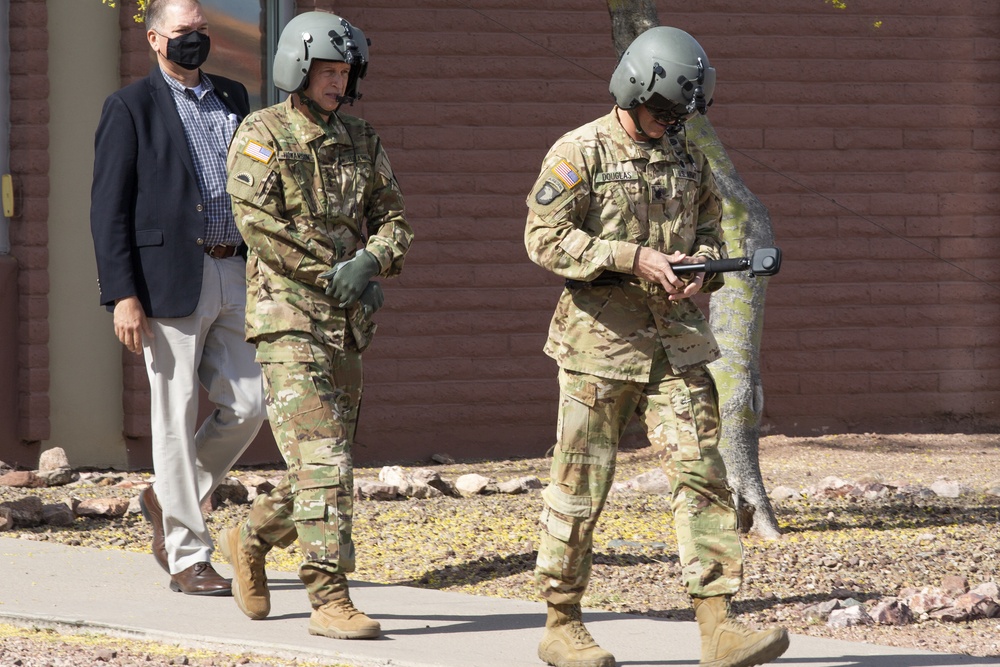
(666, 112)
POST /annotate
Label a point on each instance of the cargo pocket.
(696, 417)
(576, 403)
(314, 511)
(560, 554)
(292, 394)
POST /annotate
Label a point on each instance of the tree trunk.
(737, 310)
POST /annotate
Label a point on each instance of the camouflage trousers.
(313, 396)
(681, 418)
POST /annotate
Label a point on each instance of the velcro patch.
(549, 191)
(564, 170)
(244, 177)
(258, 152)
(615, 176)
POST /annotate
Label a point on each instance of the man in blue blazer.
(172, 268)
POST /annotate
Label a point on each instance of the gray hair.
(155, 9)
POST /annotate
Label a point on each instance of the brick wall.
(876, 151)
(874, 148)
(29, 161)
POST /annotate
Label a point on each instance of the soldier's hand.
(654, 266)
(349, 279)
(372, 298)
(693, 281)
(131, 323)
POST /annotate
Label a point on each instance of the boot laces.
(346, 608)
(578, 632)
(254, 561)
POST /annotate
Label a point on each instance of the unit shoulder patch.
(549, 191)
(244, 177)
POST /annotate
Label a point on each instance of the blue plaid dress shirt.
(209, 126)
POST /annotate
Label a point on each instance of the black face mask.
(189, 51)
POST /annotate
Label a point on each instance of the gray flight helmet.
(319, 36)
(667, 63)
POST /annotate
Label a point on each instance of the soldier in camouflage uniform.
(617, 202)
(316, 200)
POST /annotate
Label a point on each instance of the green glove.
(372, 298)
(349, 279)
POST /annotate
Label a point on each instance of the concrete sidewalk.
(127, 594)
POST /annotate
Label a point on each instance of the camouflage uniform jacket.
(601, 195)
(301, 193)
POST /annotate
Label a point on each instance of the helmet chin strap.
(633, 113)
(317, 110)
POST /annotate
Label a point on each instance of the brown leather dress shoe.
(200, 579)
(151, 509)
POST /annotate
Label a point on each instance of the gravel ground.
(485, 545)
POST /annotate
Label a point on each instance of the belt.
(605, 279)
(221, 251)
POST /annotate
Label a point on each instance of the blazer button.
(200, 241)
(199, 207)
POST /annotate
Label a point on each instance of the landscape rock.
(25, 511)
(915, 491)
(977, 606)
(872, 491)
(820, 611)
(520, 485)
(102, 507)
(6, 518)
(58, 476)
(232, 491)
(366, 489)
(891, 611)
(257, 485)
(926, 600)
(445, 459)
(849, 617)
(653, 481)
(832, 487)
(947, 489)
(472, 484)
(397, 477)
(953, 584)
(780, 493)
(58, 514)
(950, 615)
(53, 459)
(22, 479)
(989, 589)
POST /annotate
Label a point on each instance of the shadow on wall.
(12, 451)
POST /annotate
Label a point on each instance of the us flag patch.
(258, 152)
(566, 174)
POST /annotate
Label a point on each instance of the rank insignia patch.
(566, 174)
(258, 152)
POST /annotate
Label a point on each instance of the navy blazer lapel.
(226, 98)
(164, 101)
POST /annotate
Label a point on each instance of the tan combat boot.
(728, 643)
(246, 555)
(339, 619)
(567, 643)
